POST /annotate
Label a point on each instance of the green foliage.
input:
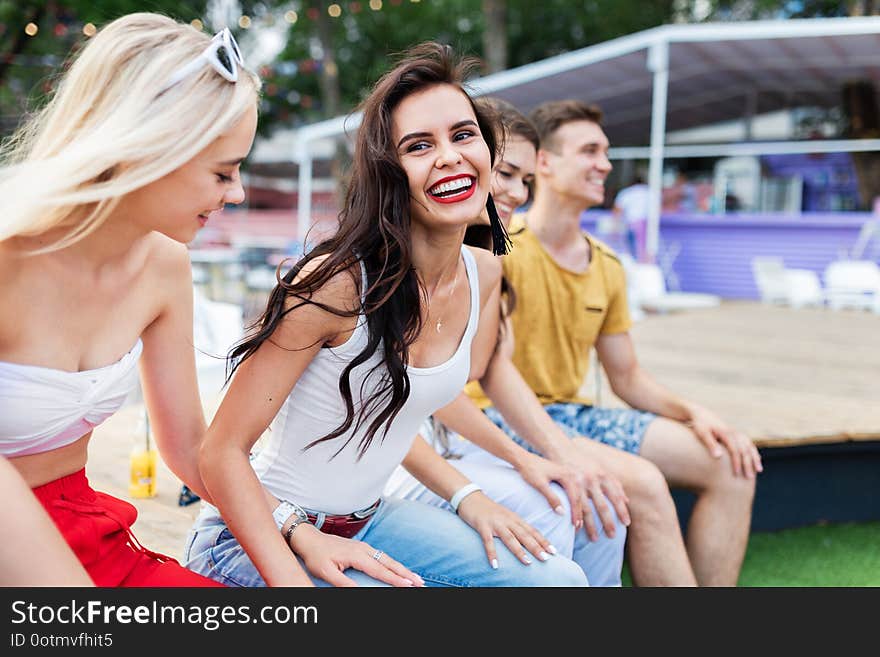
(757, 9)
(29, 64)
(366, 41)
(541, 29)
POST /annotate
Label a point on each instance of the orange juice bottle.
(142, 467)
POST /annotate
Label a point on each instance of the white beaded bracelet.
(461, 493)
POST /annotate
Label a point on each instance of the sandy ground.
(781, 375)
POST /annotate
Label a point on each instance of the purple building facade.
(713, 253)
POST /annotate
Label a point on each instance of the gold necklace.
(439, 323)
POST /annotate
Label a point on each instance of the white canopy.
(681, 76)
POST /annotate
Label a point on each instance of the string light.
(31, 29)
(244, 22)
(196, 23)
(89, 30)
(290, 16)
(375, 5)
(334, 10)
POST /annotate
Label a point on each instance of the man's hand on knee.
(716, 435)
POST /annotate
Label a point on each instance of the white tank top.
(315, 407)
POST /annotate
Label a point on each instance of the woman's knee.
(556, 571)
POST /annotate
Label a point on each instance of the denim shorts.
(623, 428)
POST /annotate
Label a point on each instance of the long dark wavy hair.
(374, 228)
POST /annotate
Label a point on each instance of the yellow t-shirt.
(559, 315)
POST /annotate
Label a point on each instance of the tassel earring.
(500, 240)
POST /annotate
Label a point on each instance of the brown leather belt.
(348, 525)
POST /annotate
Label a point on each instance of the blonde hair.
(109, 131)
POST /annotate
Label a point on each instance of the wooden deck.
(783, 376)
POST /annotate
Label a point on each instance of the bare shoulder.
(167, 283)
(165, 253)
(489, 271)
(488, 266)
(324, 313)
(167, 257)
(341, 289)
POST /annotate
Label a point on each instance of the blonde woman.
(99, 193)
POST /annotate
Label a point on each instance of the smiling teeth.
(451, 186)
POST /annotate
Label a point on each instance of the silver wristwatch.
(285, 510)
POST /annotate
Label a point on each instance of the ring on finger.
(377, 555)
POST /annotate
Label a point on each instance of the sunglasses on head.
(222, 55)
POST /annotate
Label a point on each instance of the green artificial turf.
(824, 555)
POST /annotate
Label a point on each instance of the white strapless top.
(42, 408)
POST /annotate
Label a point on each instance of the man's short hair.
(550, 116)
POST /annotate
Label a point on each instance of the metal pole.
(658, 64)
(304, 193)
(751, 110)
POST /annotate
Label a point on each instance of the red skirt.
(97, 527)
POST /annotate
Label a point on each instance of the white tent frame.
(656, 43)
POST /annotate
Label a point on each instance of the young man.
(571, 296)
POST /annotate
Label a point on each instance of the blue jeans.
(437, 545)
(601, 561)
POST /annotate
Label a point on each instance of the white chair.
(649, 288)
(632, 294)
(779, 285)
(217, 326)
(853, 284)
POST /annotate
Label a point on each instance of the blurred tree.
(495, 35)
(755, 9)
(362, 36)
(859, 100)
(37, 36)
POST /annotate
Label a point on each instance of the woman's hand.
(601, 487)
(489, 519)
(538, 472)
(327, 557)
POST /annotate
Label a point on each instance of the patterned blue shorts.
(623, 428)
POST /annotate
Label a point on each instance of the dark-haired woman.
(367, 335)
(555, 496)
